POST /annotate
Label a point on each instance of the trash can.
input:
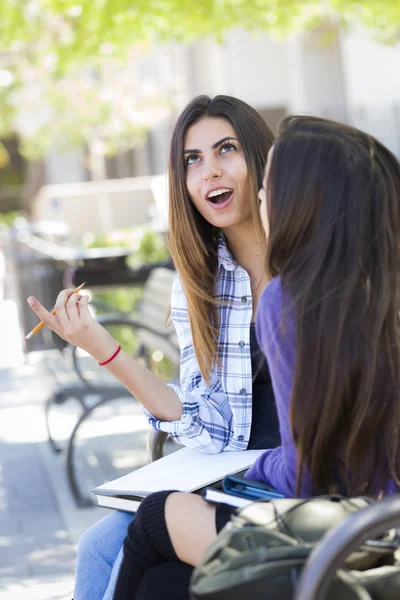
(40, 276)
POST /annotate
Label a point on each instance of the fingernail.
(30, 301)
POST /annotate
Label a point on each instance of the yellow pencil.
(53, 312)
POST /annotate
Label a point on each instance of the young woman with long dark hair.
(225, 400)
(329, 325)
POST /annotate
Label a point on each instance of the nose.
(211, 170)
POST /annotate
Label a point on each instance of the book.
(218, 496)
(239, 492)
(185, 470)
(238, 485)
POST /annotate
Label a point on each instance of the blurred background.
(89, 93)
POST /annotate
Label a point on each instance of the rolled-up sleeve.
(206, 422)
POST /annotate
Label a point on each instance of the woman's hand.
(74, 323)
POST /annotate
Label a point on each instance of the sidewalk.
(35, 548)
(40, 524)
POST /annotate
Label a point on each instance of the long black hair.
(333, 201)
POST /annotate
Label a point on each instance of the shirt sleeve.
(276, 337)
(206, 419)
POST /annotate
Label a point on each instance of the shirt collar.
(225, 258)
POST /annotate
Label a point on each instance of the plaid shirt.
(215, 416)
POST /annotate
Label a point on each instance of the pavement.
(40, 524)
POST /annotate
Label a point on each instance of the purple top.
(277, 466)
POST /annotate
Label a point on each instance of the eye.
(227, 147)
(191, 159)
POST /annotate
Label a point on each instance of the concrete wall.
(371, 70)
(316, 74)
(372, 81)
(249, 66)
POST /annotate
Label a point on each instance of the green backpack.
(261, 552)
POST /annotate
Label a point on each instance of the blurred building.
(341, 75)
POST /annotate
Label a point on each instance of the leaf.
(69, 54)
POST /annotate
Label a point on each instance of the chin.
(224, 223)
(234, 221)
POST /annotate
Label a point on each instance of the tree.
(4, 156)
(100, 106)
(64, 59)
(78, 30)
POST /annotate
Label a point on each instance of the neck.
(247, 248)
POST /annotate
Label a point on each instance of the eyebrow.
(214, 146)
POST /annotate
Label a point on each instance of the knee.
(105, 537)
(89, 542)
(151, 510)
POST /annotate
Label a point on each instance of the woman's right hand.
(75, 324)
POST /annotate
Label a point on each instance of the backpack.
(261, 552)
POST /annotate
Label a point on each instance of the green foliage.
(99, 104)
(152, 248)
(8, 218)
(66, 58)
(147, 247)
(4, 156)
(77, 30)
(7, 111)
(121, 299)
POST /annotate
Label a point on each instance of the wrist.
(111, 358)
(104, 352)
(102, 345)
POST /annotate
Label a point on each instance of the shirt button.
(241, 343)
(240, 438)
(242, 392)
(244, 299)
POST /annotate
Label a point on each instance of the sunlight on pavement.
(11, 354)
(22, 424)
(32, 589)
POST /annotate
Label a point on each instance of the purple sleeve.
(277, 466)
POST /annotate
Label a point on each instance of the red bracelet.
(111, 357)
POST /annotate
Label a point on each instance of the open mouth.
(219, 196)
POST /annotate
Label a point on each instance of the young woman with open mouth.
(328, 323)
(225, 400)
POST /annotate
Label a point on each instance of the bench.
(97, 387)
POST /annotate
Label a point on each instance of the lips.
(219, 197)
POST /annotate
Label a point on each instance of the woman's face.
(263, 194)
(216, 173)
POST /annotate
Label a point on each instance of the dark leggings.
(165, 581)
(150, 569)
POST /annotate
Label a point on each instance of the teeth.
(218, 192)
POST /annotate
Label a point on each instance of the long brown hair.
(333, 202)
(192, 240)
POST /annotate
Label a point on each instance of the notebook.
(239, 492)
(185, 470)
(218, 496)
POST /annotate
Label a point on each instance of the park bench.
(96, 388)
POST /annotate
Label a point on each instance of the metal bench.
(149, 328)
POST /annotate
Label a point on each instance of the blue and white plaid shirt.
(215, 416)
